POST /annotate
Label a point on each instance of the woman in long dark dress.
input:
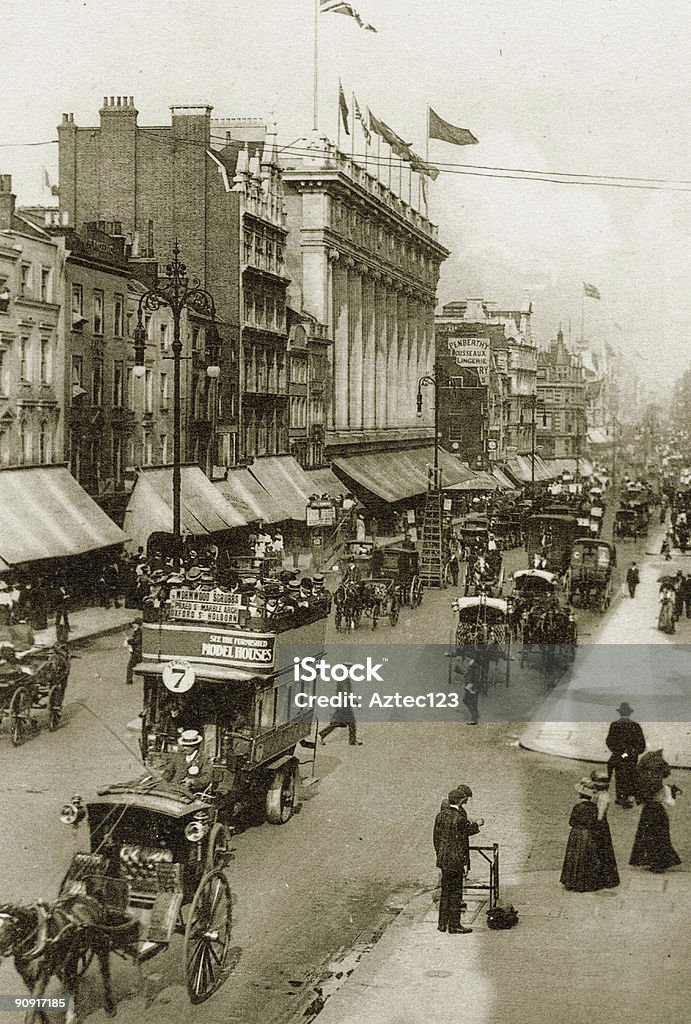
(652, 847)
(589, 861)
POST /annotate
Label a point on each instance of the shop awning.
(479, 482)
(521, 469)
(44, 513)
(286, 482)
(597, 435)
(249, 497)
(503, 480)
(399, 474)
(325, 481)
(561, 466)
(203, 509)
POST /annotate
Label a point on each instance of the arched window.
(26, 442)
(45, 453)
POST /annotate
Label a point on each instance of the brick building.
(561, 427)
(32, 351)
(162, 183)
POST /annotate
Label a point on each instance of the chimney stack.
(7, 202)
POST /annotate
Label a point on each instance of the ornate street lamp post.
(178, 292)
(437, 380)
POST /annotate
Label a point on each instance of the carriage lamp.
(73, 813)
(197, 828)
(139, 349)
(213, 344)
(419, 403)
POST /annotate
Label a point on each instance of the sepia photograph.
(345, 511)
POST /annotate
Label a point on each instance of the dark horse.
(56, 940)
(348, 606)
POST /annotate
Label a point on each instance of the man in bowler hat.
(626, 743)
(451, 833)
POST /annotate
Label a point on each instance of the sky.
(595, 87)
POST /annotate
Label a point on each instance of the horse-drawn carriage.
(155, 867)
(485, 574)
(589, 579)
(32, 679)
(483, 632)
(549, 539)
(394, 581)
(628, 524)
(543, 621)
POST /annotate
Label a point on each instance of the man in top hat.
(626, 742)
(188, 767)
(452, 830)
(632, 578)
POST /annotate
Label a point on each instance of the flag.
(438, 128)
(591, 291)
(46, 178)
(357, 114)
(341, 7)
(421, 166)
(399, 147)
(343, 108)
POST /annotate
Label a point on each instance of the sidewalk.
(589, 958)
(90, 622)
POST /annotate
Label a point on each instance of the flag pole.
(340, 117)
(427, 136)
(353, 119)
(315, 82)
(582, 315)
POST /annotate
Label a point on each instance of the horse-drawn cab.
(589, 579)
(32, 678)
(548, 540)
(627, 523)
(155, 851)
(483, 633)
(543, 620)
(402, 567)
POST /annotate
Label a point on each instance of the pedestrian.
(6, 604)
(341, 718)
(62, 601)
(134, 642)
(665, 550)
(678, 595)
(471, 689)
(626, 743)
(277, 545)
(359, 528)
(452, 830)
(632, 579)
(665, 621)
(652, 846)
(374, 528)
(453, 566)
(589, 861)
(686, 595)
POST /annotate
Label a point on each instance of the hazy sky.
(596, 87)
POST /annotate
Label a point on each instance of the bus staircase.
(432, 560)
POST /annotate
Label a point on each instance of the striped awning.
(397, 474)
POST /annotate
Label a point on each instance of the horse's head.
(17, 925)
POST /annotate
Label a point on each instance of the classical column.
(340, 349)
(355, 348)
(403, 359)
(380, 387)
(391, 353)
(369, 368)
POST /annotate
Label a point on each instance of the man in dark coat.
(632, 578)
(451, 832)
(626, 742)
(189, 768)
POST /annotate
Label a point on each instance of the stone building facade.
(32, 349)
(364, 264)
(561, 428)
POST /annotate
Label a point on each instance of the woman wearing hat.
(652, 847)
(589, 861)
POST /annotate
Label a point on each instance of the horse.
(348, 605)
(56, 940)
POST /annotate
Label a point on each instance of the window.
(165, 339)
(97, 383)
(3, 373)
(77, 370)
(45, 454)
(164, 449)
(248, 247)
(117, 458)
(46, 362)
(24, 280)
(77, 305)
(149, 391)
(45, 284)
(4, 448)
(147, 448)
(118, 383)
(26, 441)
(118, 316)
(196, 338)
(24, 359)
(98, 311)
(164, 392)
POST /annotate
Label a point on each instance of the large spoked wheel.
(418, 592)
(280, 798)
(394, 612)
(207, 936)
(20, 716)
(56, 696)
(218, 851)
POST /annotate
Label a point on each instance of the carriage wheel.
(20, 715)
(56, 696)
(394, 612)
(417, 592)
(218, 850)
(280, 798)
(207, 936)
(376, 611)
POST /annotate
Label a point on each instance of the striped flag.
(591, 291)
(358, 115)
(342, 7)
